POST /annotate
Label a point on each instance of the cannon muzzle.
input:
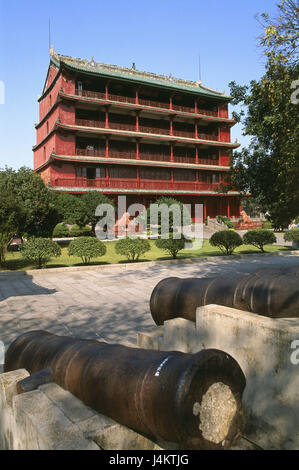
(191, 399)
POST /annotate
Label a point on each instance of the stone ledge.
(143, 264)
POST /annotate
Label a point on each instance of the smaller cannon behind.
(192, 399)
(271, 292)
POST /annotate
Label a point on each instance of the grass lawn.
(14, 261)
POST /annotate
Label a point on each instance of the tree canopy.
(269, 167)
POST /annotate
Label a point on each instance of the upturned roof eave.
(142, 80)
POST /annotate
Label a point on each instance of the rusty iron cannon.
(192, 399)
(271, 292)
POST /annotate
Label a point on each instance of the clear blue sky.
(160, 36)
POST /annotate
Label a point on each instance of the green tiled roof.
(105, 70)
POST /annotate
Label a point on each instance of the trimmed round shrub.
(77, 231)
(292, 236)
(61, 231)
(86, 248)
(171, 245)
(226, 240)
(259, 238)
(40, 250)
(132, 248)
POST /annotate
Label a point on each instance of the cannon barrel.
(271, 292)
(192, 399)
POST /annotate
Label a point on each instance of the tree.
(167, 202)
(259, 238)
(71, 209)
(91, 200)
(269, 167)
(132, 248)
(171, 245)
(38, 214)
(10, 216)
(40, 250)
(226, 240)
(86, 248)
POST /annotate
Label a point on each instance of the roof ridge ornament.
(52, 52)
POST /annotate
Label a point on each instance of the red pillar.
(228, 207)
(196, 155)
(171, 125)
(137, 121)
(138, 178)
(106, 91)
(170, 102)
(196, 129)
(107, 117)
(107, 176)
(137, 150)
(107, 147)
(137, 96)
(205, 209)
(195, 106)
(171, 152)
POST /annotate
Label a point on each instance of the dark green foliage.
(86, 248)
(225, 220)
(71, 209)
(77, 231)
(10, 215)
(61, 231)
(40, 250)
(171, 245)
(38, 215)
(168, 201)
(226, 240)
(268, 169)
(91, 200)
(292, 236)
(132, 248)
(259, 238)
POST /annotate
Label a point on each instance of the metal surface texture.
(192, 399)
(271, 292)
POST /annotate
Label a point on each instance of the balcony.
(145, 102)
(123, 126)
(129, 184)
(113, 153)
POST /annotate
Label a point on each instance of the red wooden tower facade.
(126, 132)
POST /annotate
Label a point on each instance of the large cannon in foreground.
(191, 399)
(271, 292)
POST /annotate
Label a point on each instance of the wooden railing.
(122, 99)
(128, 183)
(91, 94)
(146, 156)
(153, 104)
(189, 134)
(89, 123)
(184, 109)
(145, 129)
(145, 102)
(122, 126)
(154, 130)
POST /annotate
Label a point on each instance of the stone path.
(109, 304)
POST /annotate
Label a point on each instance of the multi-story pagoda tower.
(127, 132)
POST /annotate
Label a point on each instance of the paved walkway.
(102, 304)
